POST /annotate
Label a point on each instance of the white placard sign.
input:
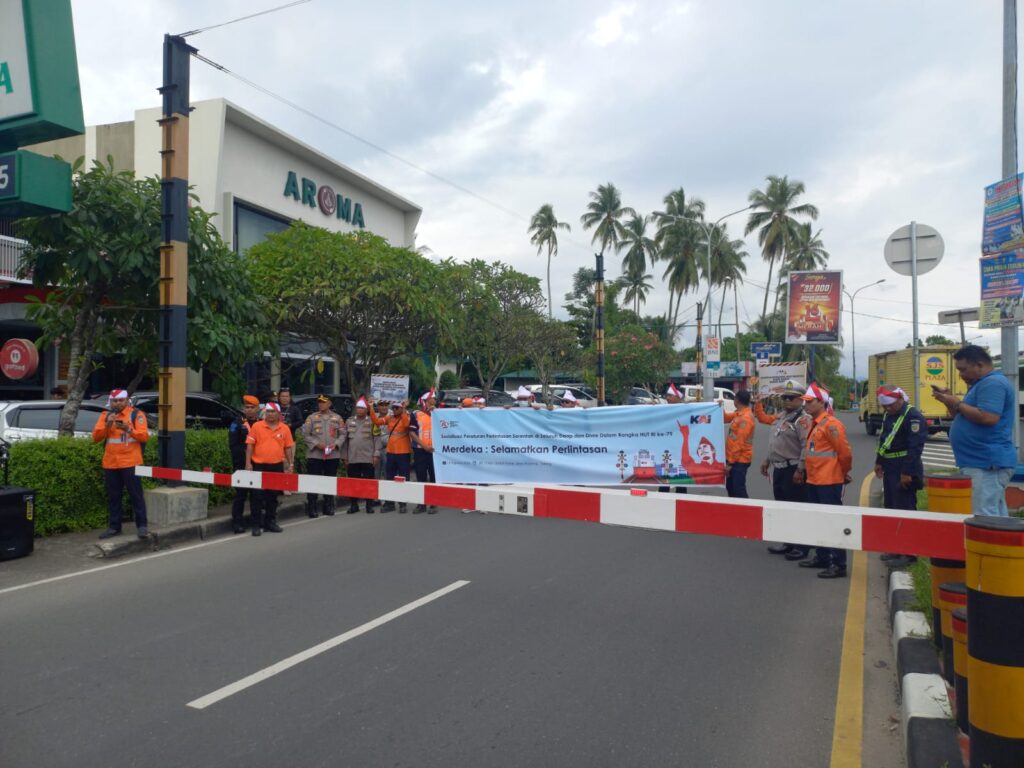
(771, 379)
(387, 386)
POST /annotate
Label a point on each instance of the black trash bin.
(17, 521)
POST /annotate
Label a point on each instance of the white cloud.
(609, 28)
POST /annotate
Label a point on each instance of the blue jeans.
(988, 490)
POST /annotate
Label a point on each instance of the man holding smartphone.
(125, 431)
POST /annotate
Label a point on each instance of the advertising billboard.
(813, 305)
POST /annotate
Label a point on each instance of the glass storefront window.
(252, 226)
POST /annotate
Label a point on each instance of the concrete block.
(171, 506)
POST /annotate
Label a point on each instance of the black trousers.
(783, 487)
(265, 512)
(396, 465)
(895, 496)
(736, 480)
(118, 481)
(362, 471)
(325, 468)
(828, 494)
(424, 463)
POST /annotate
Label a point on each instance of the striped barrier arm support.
(925, 534)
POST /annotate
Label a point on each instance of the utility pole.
(599, 325)
(1009, 338)
(174, 250)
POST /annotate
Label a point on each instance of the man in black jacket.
(237, 433)
(898, 459)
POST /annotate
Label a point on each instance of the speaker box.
(17, 522)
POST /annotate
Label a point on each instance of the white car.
(692, 393)
(558, 391)
(39, 419)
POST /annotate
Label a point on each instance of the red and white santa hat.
(524, 394)
(816, 392)
(116, 394)
(569, 396)
(673, 391)
(889, 395)
(478, 400)
(427, 395)
(361, 403)
(272, 407)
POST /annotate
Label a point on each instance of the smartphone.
(935, 388)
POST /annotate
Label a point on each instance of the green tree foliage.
(633, 357)
(421, 375)
(361, 298)
(102, 260)
(448, 380)
(551, 346)
(543, 231)
(937, 340)
(604, 215)
(678, 238)
(774, 218)
(501, 305)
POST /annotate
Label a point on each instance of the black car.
(203, 410)
(452, 398)
(341, 404)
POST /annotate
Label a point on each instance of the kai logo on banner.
(325, 198)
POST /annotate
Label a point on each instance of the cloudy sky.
(887, 111)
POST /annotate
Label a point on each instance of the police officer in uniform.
(237, 432)
(324, 433)
(898, 459)
(785, 444)
(362, 453)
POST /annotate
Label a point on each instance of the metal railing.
(12, 252)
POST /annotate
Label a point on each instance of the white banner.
(771, 379)
(388, 386)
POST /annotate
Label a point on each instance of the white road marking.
(257, 677)
(938, 455)
(142, 559)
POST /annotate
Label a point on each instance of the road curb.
(218, 524)
(930, 736)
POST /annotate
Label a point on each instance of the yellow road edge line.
(865, 490)
(847, 734)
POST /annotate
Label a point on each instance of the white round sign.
(929, 249)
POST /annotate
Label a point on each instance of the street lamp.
(853, 333)
(708, 381)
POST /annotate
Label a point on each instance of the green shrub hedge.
(67, 476)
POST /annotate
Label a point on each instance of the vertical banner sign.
(1002, 290)
(1003, 228)
(647, 445)
(713, 355)
(813, 307)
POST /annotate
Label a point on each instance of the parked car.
(452, 398)
(584, 398)
(641, 396)
(341, 404)
(36, 419)
(203, 410)
(692, 393)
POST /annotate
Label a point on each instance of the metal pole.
(174, 251)
(853, 339)
(709, 380)
(1009, 338)
(700, 350)
(736, 308)
(599, 326)
(916, 396)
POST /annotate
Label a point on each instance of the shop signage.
(19, 359)
(325, 198)
(812, 314)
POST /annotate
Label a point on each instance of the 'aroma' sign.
(325, 198)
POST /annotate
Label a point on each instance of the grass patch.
(920, 572)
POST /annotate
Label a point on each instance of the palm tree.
(637, 288)
(807, 252)
(638, 246)
(605, 212)
(728, 265)
(543, 231)
(678, 239)
(773, 218)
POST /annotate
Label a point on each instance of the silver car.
(36, 419)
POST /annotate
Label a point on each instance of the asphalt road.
(571, 645)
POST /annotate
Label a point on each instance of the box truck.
(896, 369)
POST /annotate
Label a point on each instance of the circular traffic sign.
(19, 359)
(929, 250)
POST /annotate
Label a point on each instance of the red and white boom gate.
(925, 534)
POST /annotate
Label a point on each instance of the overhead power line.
(192, 32)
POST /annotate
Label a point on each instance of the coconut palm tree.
(807, 252)
(637, 287)
(605, 211)
(639, 248)
(543, 231)
(678, 238)
(774, 218)
(728, 265)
